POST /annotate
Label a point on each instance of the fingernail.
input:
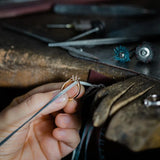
(73, 91)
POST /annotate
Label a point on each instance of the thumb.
(33, 104)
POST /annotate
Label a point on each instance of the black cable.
(89, 134)
(77, 151)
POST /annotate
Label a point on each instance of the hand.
(51, 135)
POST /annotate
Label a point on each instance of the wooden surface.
(25, 61)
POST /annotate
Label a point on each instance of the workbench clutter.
(115, 53)
(143, 52)
(95, 36)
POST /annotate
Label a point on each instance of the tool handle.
(82, 25)
(101, 25)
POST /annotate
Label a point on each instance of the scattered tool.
(95, 42)
(79, 52)
(151, 70)
(64, 26)
(89, 27)
(152, 100)
(144, 53)
(102, 10)
(81, 25)
(122, 54)
(98, 27)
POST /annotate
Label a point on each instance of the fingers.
(75, 90)
(33, 104)
(46, 88)
(71, 106)
(41, 89)
(68, 139)
(64, 120)
(67, 132)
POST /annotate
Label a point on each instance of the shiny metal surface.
(95, 42)
(152, 100)
(152, 69)
(144, 52)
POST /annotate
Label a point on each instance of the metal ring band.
(67, 83)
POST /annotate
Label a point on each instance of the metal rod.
(89, 84)
(66, 26)
(102, 10)
(80, 52)
(84, 34)
(95, 42)
(48, 40)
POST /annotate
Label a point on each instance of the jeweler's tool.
(84, 34)
(122, 54)
(97, 27)
(102, 10)
(89, 27)
(144, 53)
(152, 100)
(82, 25)
(59, 26)
(51, 101)
(95, 42)
(79, 52)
